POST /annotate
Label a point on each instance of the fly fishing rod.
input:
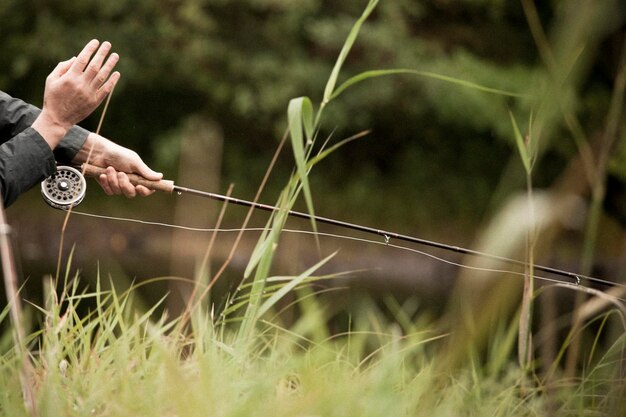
(66, 188)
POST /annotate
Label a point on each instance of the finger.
(103, 73)
(83, 57)
(127, 188)
(113, 181)
(62, 68)
(143, 191)
(104, 183)
(95, 64)
(106, 89)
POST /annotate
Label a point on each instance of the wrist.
(92, 151)
(51, 130)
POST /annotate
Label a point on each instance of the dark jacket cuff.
(73, 141)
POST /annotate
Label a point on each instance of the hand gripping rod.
(169, 187)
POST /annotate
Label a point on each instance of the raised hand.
(75, 88)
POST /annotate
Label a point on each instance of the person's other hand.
(118, 161)
(75, 88)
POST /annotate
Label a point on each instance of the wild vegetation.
(99, 352)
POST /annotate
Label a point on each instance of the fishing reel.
(65, 188)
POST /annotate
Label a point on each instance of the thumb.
(62, 67)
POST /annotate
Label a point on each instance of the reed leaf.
(299, 114)
(259, 249)
(270, 302)
(385, 72)
(522, 146)
(332, 80)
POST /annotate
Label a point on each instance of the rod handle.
(161, 185)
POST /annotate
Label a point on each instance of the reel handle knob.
(161, 185)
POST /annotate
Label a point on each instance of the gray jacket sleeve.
(25, 157)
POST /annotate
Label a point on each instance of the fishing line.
(573, 285)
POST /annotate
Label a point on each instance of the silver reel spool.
(65, 188)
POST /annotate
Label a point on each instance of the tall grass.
(527, 149)
(116, 359)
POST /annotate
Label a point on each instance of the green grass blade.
(332, 80)
(297, 112)
(264, 258)
(258, 251)
(269, 303)
(380, 73)
(521, 145)
(256, 294)
(307, 120)
(326, 152)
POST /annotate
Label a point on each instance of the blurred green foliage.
(437, 151)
